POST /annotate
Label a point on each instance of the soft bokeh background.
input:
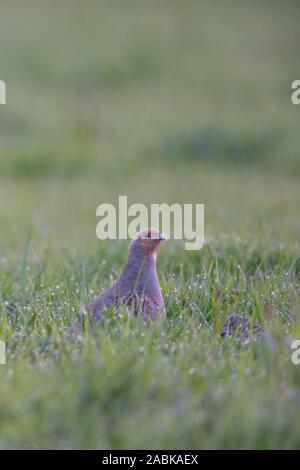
(162, 101)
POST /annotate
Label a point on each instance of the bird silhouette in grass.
(138, 286)
(239, 325)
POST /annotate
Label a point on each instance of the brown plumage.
(138, 285)
(240, 326)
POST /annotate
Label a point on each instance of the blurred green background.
(163, 101)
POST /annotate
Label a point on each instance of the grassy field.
(164, 102)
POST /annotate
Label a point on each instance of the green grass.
(164, 102)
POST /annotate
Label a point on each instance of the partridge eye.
(149, 234)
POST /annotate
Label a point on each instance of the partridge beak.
(160, 237)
